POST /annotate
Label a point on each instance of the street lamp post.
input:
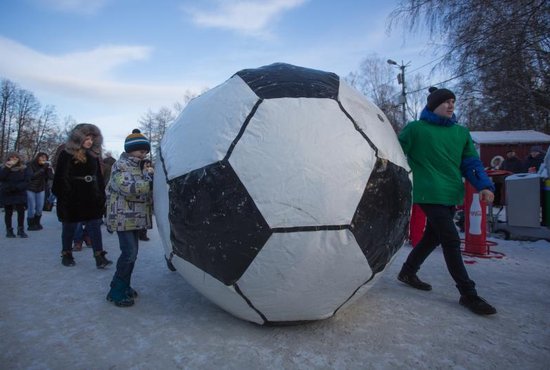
(401, 81)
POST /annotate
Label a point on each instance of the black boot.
(477, 305)
(143, 235)
(413, 280)
(67, 258)
(100, 260)
(32, 224)
(21, 232)
(9, 232)
(37, 222)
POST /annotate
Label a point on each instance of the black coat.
(533, 162)
(513, 164)
(39, 176)
(78, 199)
(14, 185)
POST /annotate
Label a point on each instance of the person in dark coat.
(148, 169)
(80, 190)
(41, 173)
(512, 163)
(534, 159)
(15, 177)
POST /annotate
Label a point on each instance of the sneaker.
(414, 281)
(477, 305)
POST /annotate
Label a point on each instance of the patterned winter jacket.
(129, 196)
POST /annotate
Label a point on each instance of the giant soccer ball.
(281, 194)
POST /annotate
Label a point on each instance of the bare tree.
(8, 92)
(499, 52)
(154, 125)
(26, 108)
(375, 79)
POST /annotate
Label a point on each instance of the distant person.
(41, 173)
(534, 159)
(14, 178)
(496, 162)
(108, 162)
(148, 169)
(440, 153)
(512, 163)
(129, 202)
(80, 191)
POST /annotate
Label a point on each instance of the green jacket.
(129, 196)
(435, 154)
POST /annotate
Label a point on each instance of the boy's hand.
(487, 195)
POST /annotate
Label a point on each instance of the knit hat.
(136, 141)
(438, 96)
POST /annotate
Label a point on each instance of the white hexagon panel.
(281, 194)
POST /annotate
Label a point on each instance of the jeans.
(128, 241)
(440, 229)
(94, 231)
(80, 232)
(35, 203)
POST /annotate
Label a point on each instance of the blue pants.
(440, 229)
(128, 241)
(93, 227)
(35, 203)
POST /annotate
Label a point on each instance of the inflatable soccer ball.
(281, 194)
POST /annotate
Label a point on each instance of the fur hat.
(78, 135)
(136, 141)
(438, 96)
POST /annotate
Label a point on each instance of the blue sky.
(108, 61)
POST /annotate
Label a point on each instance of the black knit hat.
(438, 96)
(136, 141)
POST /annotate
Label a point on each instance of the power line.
(475, 68)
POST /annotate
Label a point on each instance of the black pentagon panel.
(281, 80)
(214, 222)
(380, 222)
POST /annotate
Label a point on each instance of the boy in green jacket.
(440, 153)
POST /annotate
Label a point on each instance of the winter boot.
(67, 258)
(143, 235)
(131, 292)
(119, 294)
(413, 280)
(476, 304)
(100, 260)
(32, 224)
(77, 246)
(21, 232)
(37, 222)
(9, 233)
(88, 241)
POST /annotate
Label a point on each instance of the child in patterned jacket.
(129, 210)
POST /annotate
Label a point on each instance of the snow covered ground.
(55, 317)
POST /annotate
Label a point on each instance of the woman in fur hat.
(80, 190)
(15, 177)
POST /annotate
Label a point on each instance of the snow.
(56, 317)
(509, 137)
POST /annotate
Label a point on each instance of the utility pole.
(401, 81)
